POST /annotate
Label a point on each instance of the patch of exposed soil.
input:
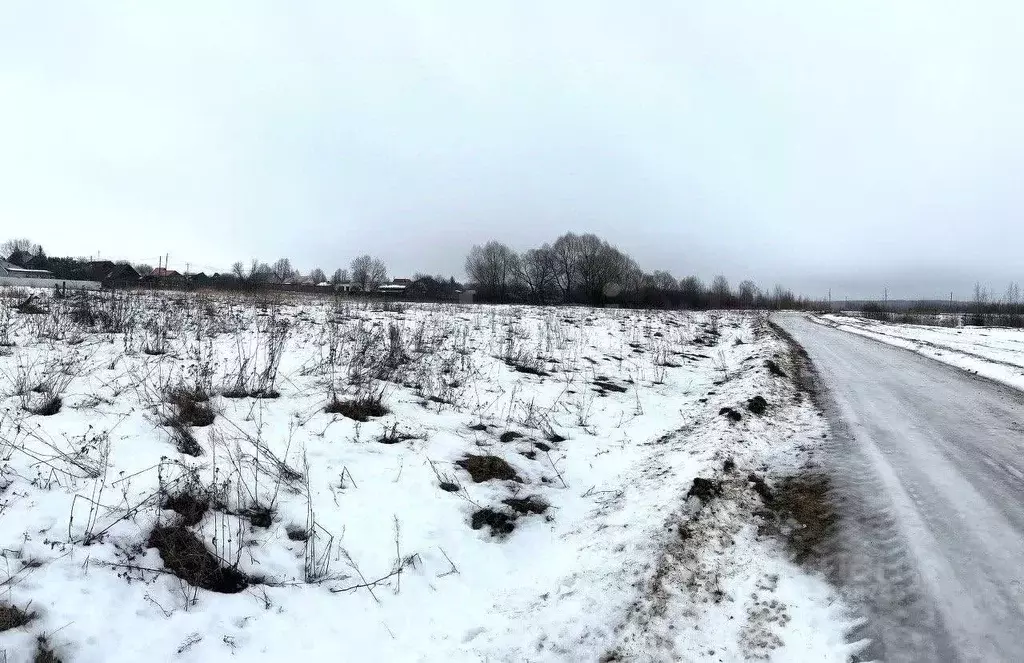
(526, 505)
(604, 386)
(757, 405)
(730, 413)
(485, 468)
(705, 489)
(763, 490)
(500, 523)
(802, 512)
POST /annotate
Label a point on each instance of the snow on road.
(516, 489)
(992, 352)
(930, 459)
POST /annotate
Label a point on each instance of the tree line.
(367, 272)
(585, 269)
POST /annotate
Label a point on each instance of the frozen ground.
(173, 488)
(992, 352)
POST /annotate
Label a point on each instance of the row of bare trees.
(585, 269)
(367, 272)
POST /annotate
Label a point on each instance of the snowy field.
(992, 352)
(204, 477)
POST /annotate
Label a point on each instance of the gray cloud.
(849, 145)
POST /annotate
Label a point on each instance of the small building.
(392, 288)
(431, 288)
(10, 270)
(110, 273)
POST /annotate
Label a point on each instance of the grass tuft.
(361, 408)
(185, 556)
(44, 654)
(11, 617)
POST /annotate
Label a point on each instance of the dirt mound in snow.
(526, 505)
(705, 489)
(500, 523)
(757, 405)
(732, 414)
(485, 468)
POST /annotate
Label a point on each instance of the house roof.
(14, 269)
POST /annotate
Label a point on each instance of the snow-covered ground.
(520, 494)
(992, 352)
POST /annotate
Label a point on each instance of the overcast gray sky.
(820, 144)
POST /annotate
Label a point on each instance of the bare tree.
(493, 267)
(20, 245)
(143, 269)
(339, 276)
(693, 292)
(601, 268)
(566, 250)
(282, 269)
(748, 292)
(368, 272)
(663, 281)
(980, 294)
(721, 295)
(238, 270)
(317, 275)
(259, 272)
(536, 271)
(781, 297)
(1012, 295)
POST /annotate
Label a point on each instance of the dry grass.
(185, 556)
(361, 408)
(11, 617)
(191, 407)
(44, 654)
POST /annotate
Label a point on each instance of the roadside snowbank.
(992, 352)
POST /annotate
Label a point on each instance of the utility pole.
(830, 300)
(167, 258)
(886, 296)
